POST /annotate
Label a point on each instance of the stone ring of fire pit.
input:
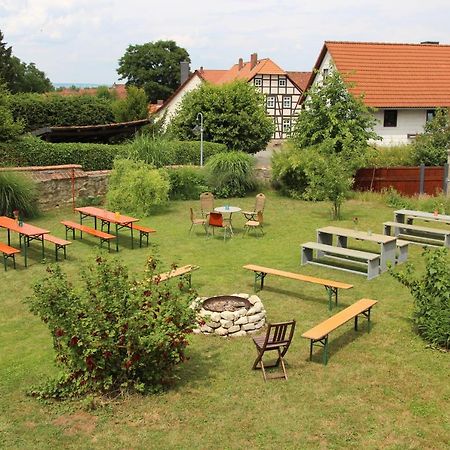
(230, 315)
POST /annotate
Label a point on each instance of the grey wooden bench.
(370, 260)
(402, 247)
(416, 234)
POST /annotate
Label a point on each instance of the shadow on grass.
(335, 345)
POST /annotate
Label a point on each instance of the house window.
(281, 82)
(325, 73)
(390, 118)
(258, 82)
(287, 102)
(430, 114)
(270, 101)
(286, 125)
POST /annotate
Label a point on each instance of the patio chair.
(260, 202)
(197, 221)
(254, 224)
(277, 338)
(215, 220)
(206, 203)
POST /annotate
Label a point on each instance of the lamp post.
(201, 136)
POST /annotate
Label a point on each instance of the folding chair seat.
(216, 221)
(277, 338)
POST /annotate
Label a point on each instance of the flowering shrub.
(114, 334)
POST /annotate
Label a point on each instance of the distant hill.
(77, 85)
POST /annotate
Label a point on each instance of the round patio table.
(228, 210)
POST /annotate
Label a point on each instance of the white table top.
(227, 209)
(424, 215)
(360, 235)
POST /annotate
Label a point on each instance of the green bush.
(17, 192)
(395, 156)
(113, 334)
(431, 293)
(136, 187)
(231, 174)
(51, 110)
(32, 151)
(132, 107)
(162, 152)
(430, 148)
(186, 183)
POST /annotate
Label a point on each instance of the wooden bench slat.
(329, 325)
(143, 229)
(8, 250)
(88, 230)
(297, 276)
(179, 271)
(407, 226)
(56, 240)
(358, 254)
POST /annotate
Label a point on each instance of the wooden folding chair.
(216, 220)
(206, 203)
(278, 338)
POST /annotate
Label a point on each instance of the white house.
(282, 89)
(404, 82)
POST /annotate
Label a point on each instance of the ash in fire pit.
(230, 315)
(226, 303)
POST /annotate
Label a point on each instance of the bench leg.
(332, 291)
(4, 261)
(65, 253)
(373, 268)
(324, 344)
(307, 255)
(259, 276)
(56, 252)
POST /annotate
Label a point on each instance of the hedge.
(47, 110)
(32, 151)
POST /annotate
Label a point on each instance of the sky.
(81, 41)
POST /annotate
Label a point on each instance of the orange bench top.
(56, 240)
(329, 325)
(144, 229)
(89, 230)
(8, 250)
(298, 276)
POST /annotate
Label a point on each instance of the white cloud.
(82, 40)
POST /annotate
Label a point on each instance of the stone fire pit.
(230, 315)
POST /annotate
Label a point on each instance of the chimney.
(241, 63)
(430, 42)
(253, 60)
(184, 71)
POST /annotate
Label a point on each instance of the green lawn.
(385, 389)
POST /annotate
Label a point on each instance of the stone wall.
(54, 184)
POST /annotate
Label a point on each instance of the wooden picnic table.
(408, 215)
(108, 217)
(29, 233)
(387, 243)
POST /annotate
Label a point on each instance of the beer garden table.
(29, 233)
(408, 215)
(108, 217)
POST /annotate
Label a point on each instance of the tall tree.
(154, 66)
(5, 60)
(233, 114)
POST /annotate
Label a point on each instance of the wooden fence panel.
(405, 180)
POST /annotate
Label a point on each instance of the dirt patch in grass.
(77, 423)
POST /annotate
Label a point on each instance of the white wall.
(175, 103)
(409, 121)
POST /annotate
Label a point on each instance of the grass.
(385, 389)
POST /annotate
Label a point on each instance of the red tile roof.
(300, 78)
(394, 75)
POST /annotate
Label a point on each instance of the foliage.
(336, 118)
(154, 66)
(20, 76)
(313, 173)
(136, 187)
(430, 148)
(186, 182)
(10, 129)
(28, 78)
(231, 174)
(233, 114)
(114, 334)
(32, 151)
(161, 151)
(46, 110)
(132, 107)
(17, 192)
(395, 156)
(106, 93)
(431, 293)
